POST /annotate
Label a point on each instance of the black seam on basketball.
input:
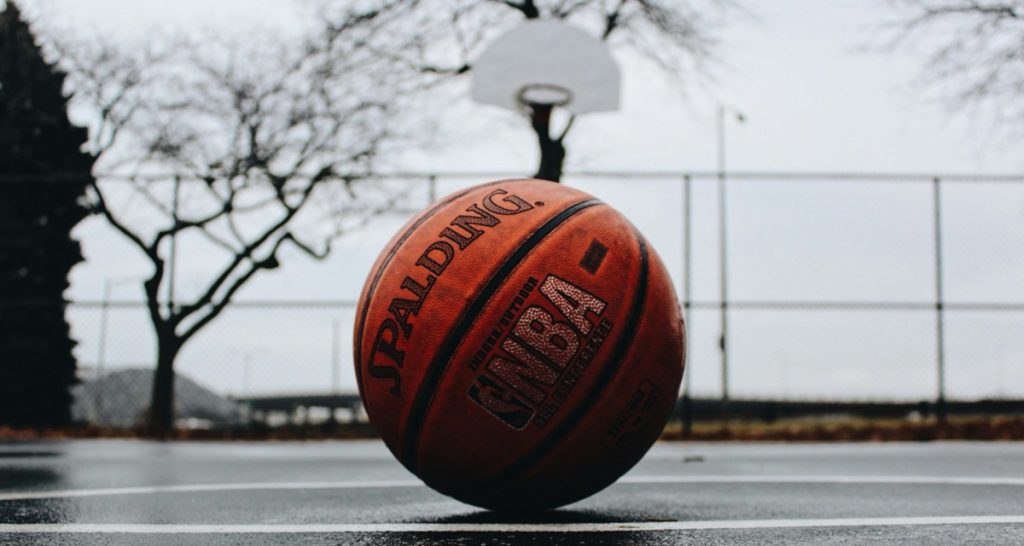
(379, 272)
(610, 370)
(428, 387)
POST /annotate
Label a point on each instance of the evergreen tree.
(43, 176)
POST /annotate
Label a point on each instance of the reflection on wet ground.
(185, 493)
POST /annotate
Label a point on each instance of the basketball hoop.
(542, 64)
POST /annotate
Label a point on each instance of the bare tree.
(240, 145)
(975, 51)
(680, 36)
(243, 148)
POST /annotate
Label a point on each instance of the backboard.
(547, 62)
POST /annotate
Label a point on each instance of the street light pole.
(173, 265)
(687, 305)
(722, 253)
(940, 319)
(723, 237)
(101, 357)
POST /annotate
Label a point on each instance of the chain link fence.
(795, 287)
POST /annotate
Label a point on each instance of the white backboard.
(551, 54)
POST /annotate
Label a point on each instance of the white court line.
(895, 480)
(385, 484)
(640, 526)
(210, 487)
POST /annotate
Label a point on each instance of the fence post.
(432, 188)
(335, 369)
(687, 304)
(940, 345)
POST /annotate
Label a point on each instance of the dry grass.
(989, 428)
(992, 428)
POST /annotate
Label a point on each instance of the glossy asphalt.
(136, 492)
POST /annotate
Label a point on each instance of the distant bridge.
(303, 408)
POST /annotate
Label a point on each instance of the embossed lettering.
(429, 257)
(572, 301)
(401, 308)
(466, 223)
(555, 340)
(520, 205)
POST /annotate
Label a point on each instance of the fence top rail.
(780, 305)
(812, 176)
(425, 176)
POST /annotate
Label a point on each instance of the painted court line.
(308, 486)
(895, 480)
(211, 487)
(645, 526)
(385, 484)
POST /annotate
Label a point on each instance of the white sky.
(816, 99)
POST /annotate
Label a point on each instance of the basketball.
(518, 345)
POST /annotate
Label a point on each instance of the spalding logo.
(386, 355)
(542, 358)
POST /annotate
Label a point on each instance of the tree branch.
(245, 254)
(612, 20)
(121, 227)
(526, 7)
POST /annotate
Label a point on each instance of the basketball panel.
(625, 419)
(423, 288)
(535, 352)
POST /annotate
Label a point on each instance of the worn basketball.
(518, 345)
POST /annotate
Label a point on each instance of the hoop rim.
(561, 95)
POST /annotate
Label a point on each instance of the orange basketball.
(519, 345)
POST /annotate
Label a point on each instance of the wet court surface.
(135, 492)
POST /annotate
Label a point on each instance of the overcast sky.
(817, 94)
